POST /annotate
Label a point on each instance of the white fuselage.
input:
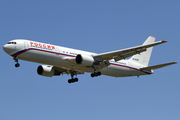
(63, 57)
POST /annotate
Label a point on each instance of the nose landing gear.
(16, 60)
(17, 65)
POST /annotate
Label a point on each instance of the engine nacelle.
(45, 70)
(85, 60)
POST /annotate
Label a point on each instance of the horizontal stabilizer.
(158, 66)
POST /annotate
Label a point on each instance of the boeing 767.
(61, 60)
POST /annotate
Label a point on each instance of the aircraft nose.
(7, 49)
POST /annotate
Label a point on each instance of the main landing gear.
(72, 80)
(95, 74)
(16, 60)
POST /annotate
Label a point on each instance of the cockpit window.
(11, 42)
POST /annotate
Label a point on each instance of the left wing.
(62, 70)
(124, 53)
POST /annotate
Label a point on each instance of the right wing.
(125, 53)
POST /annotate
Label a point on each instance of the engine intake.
(85, 60)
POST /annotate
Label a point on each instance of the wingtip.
(164, 41)
(175, 62)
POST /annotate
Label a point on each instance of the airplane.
(58, 60)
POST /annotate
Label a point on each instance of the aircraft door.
(26, 45)
(57, 50)
(130, 64)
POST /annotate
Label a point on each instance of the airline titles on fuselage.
(48, 47)
(42, 45)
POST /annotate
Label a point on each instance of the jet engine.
(85, 60)
(45, 70)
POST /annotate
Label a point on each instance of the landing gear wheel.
(76, 80)
(17, 65)
(98, 73)
(69, 81)
(73, 80)
(92, 74)
(95, 74)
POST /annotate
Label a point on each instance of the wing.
(124, 53)
(61, 71)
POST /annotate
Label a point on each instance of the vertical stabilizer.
(144, 57)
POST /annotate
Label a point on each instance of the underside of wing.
(62, 70)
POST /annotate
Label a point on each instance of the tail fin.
(144, 57)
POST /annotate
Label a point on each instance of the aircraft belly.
(118, 71)
(113, 71)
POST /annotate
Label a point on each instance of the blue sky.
(96, 26)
